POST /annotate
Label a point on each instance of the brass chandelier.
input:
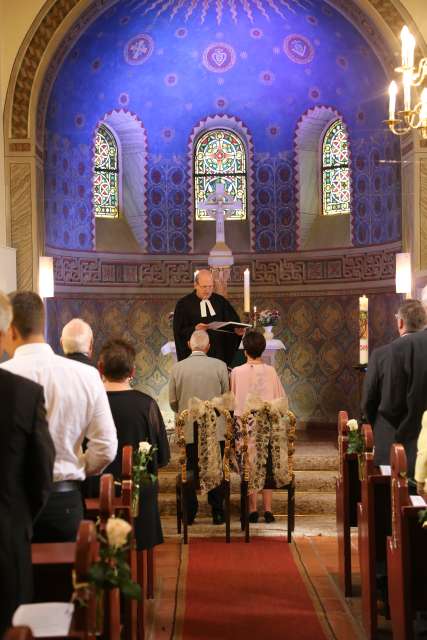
(411, 116)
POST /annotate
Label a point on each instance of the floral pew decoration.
(356, 444)
(111, 573)
(140, 473)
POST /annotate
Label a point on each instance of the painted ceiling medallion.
(252, 9)
(139, 49)
(219, 57)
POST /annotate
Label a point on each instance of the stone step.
(305, 481)
(325, 459)
(306, 502)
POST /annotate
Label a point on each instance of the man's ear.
(189, 345)
(15, 335)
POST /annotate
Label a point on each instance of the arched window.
(106, 175)
(335, 170)
(220, 157)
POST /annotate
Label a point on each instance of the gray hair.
(76, 337)
(5, 312)
(199, 340)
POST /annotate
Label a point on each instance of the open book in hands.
(227, 326)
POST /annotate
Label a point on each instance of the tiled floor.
(317, 555)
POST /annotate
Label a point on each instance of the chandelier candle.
(363, 330)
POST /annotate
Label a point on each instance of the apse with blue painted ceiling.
(157, 71)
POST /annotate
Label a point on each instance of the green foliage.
(356, 443)
(112, 570)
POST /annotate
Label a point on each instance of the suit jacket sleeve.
(371, 394)
(41, 458)
(397, 381)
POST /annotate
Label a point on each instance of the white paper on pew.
(418, 501)
(385, 469)
(46, 618)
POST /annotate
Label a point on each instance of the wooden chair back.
(184, 478)
(374, 525)
(18, 633)
(406, 557)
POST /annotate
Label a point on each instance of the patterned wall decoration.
(274, 204)
(377, 191)
(320, 334)
(171, 72)
(372, 265)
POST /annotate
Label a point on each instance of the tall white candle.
(246, 292)
(363, 330)
(407, 83)
(392, 92)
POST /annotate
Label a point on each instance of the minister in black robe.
(196, 310)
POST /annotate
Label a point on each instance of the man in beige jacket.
(205, 378)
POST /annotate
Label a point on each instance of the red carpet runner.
(244, 591)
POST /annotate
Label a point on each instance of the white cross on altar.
(220, 205)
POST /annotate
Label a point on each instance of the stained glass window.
(106, 175)
(220, 158)
(335, 170)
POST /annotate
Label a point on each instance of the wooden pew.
(122, 507)
(84, 618)
(53, 563)
(374, 525)
(406, 552)
(347, 497)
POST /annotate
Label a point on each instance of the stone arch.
(234, 124)
(314, 230)
(53, 32)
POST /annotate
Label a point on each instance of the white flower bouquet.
(268, 317)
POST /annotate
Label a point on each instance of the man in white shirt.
(77, 408)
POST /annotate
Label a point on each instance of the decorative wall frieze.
(330, 269)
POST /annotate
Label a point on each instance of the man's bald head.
(77, 337)
(203, 284)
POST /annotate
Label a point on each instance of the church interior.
(120, 118)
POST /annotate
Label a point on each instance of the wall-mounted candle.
(407, 83)
(392, 93)
(246, 290)
(363, 330)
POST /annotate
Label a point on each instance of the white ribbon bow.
(203, 305)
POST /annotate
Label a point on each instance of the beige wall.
(16, 17)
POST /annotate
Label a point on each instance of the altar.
(273, 347)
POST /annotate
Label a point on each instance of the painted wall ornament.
(139, 49)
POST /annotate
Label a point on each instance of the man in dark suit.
(395, 390)
(27, 455)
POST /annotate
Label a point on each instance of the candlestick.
(246, 289)
(363, 330)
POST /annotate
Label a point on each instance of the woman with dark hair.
(261, 380)
(137, 418)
